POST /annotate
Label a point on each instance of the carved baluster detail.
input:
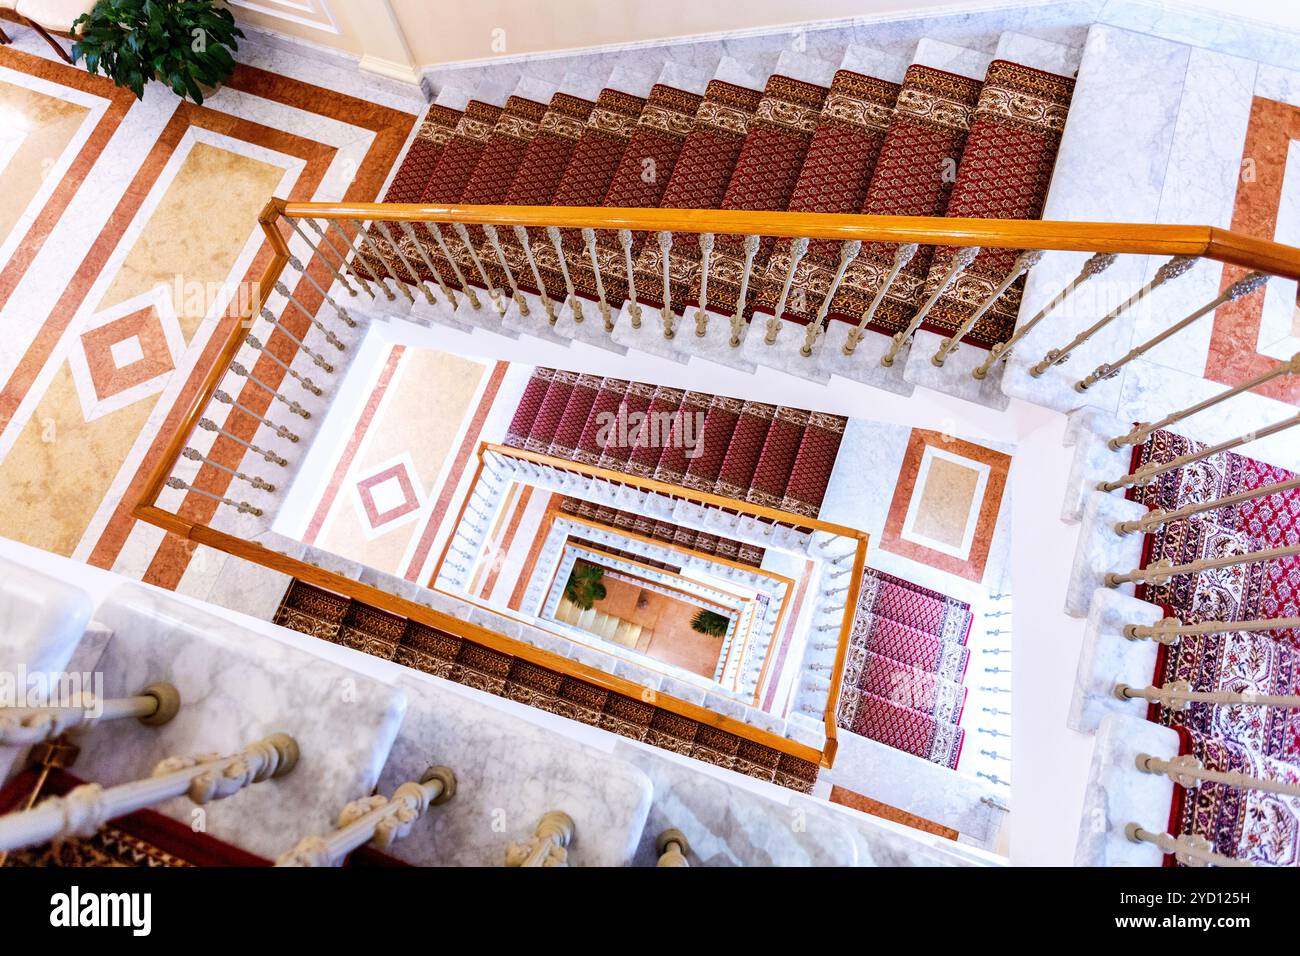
(557, 240)
(209, 425)
(848, 252)
(548, 845)
(547, 305)
(225, 398)
(406, 263)
(962, 258)
(319, 253)
(330, 337)
(672, 847)
(358, 257)
(1026, 261)
(738, 318)
(376, 253)
(256, 343)
(316, 357)
(195, 455)
(436, 232)
(239, 369)
(589, 238)
(902, 256)
(798, 249)
(666, 313)
(515, 294)
(409, 232)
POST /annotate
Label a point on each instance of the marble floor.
(128, 243)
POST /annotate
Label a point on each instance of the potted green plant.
(584, 586)
(710, 623)
(186, 44)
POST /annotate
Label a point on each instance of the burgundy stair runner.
(939, 144)
(642, 176)
(1259, 741)
(926, 138)
(595, 159)
(700, 541)
(699, 181)
(613, 552)
(1243, 823)
(539, 176)
(1006, 169)
(336, 619)
(834, 179)
(903, 673)
(778, 457)
(764, 180)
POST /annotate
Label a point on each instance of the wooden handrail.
(402, 607)
(1221, 245)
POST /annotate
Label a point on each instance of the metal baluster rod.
(1188, 772)
(343, 314)
(798, 249)
(1192, 851)
(515, 294)
(243, 507)
(557, 242)
(376, 820)
(239, 369)
(208, 424)
(435, 231)
(494, 293)
(1177, 695)
(1024, 263)
(548, 845)
(1151, 469)
(589, 239)
(666, 313)
(672, 847)
(315, 356)
(225, 398)
(521, 234)
(84, 809)
(738, 319)
(902, 256)
(406, 263)
(1157, 516)
(702, 313)
(1167, 272)
(1239, 289)
(1162, 571)
(962, 258)
(848, 252)
(301, 379)
(194, 455)
(378, 254)
(409, 232)
(330, 337)
(25, 726)
(1169, 629)
(1140, 433)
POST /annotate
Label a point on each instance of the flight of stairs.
(1243, 823)
(608, 626)
(767, 455)
(666, 531)
(904, 669)
(329, 617)
(950, 132)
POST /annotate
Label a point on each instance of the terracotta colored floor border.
(119, 103)
(354, 443)
(1233, 358)
(972, 567)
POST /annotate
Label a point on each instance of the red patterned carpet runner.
(913, 176)
(903, 672)
(418, 166)
(1006, 169)
(834, 179)
(1259, 741)
(643, 174)
(699, 181)
(591, 168)
(332, 618)
(1242, 823)
(141, 839)
(539, 175)
(700, 541)
(778, 457)
(764, 180)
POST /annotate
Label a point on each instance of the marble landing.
(237, 687)
(509, 772)
(1118, 793)
(954, 376)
